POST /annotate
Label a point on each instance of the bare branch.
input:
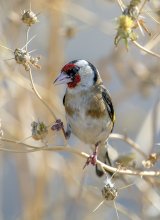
(84, 155)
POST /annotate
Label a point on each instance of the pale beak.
(62, 78)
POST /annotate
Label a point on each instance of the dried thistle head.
(125, 30)
(125, 23)
(23, 57)
(152, 159)
(29, 17)
(109, 191)
(39, 130)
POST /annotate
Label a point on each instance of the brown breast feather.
(96, 107)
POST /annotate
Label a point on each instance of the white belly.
(90, 130)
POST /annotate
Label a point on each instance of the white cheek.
(87, 75)
(82, 63)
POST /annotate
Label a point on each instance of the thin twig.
(84, 155)
(27, 35)
(142, 6)
(43, 101)
(151, 16)
(17, 142)
(146, 50)
(28, 42)
(129, 141)
(38, 95)
(6, 48)
(121, 5)
(129, 214)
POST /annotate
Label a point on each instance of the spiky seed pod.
(151, 161)
(39, 130)
(22, 57)
(125, 23)
(125, 30)
(29, 17)
(109, 192)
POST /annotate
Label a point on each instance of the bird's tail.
(103, 156)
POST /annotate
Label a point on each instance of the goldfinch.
(89, 109)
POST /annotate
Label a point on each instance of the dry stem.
(43, 101)
(82, 154)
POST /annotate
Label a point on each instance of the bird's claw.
(58, 125)
(91, 159)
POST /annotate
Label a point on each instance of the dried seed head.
(152, 159)
(109, 192)
(34, 62)
(29, 17)
(125, 22)
(23, 57)
(125, 30)
(39, 130)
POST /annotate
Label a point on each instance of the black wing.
(64, 99)
(108, 102)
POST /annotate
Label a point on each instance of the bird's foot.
(91, 159)
(58, 125)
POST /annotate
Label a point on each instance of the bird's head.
(78, 74)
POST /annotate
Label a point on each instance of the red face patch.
(68, 67)
(76, 80)
(72, 71)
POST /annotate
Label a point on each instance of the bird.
(89, 110)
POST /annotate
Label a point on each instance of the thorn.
(28, 42)
(9, 59)
(116, 209)
(101, 203)
(6, 48)
(32, 51)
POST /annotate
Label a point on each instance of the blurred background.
(53, 185)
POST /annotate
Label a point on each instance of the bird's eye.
(75, 69)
